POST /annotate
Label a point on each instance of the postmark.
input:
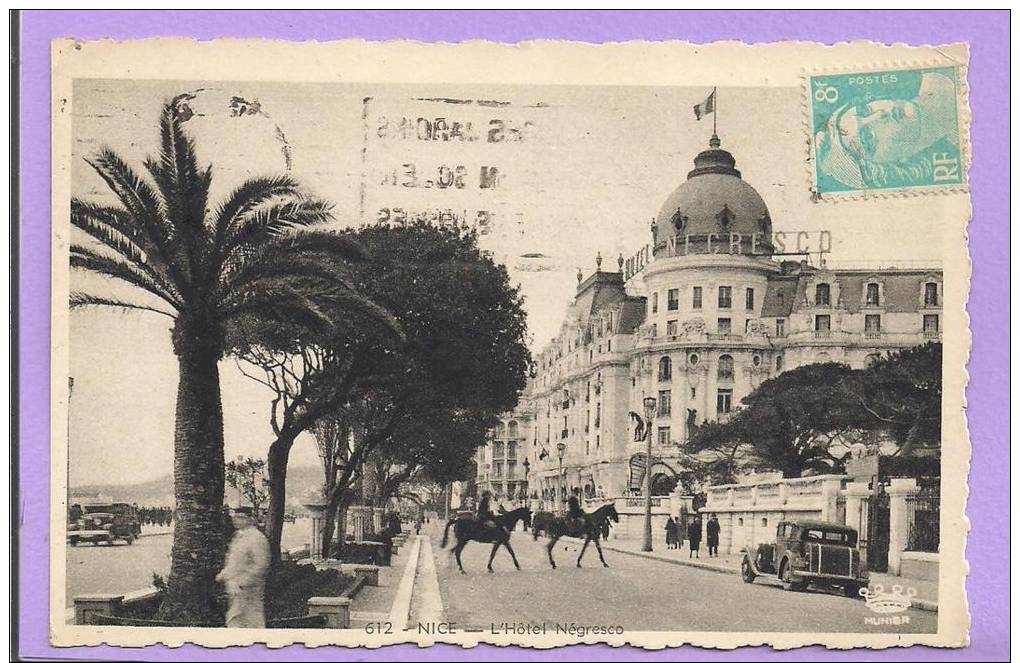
(887, 130)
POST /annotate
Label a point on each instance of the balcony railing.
(932, 335)
(873, 333)
(823, 333)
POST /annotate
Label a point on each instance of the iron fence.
(923, 516)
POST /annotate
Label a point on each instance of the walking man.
(694, 536)
(670, 533)
(244, 574)
(712, 533)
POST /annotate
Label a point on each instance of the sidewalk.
(927, 591)
(374, 604)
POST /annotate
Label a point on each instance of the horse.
(469, 529)
(591, 530)
(540, 522)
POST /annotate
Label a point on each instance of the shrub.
(290, 585)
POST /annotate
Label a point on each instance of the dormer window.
(725, 216)
(822, 294)
(679, 221)
(872, 295)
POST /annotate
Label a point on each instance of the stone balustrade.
(748, 512)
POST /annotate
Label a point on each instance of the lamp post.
(649, 403)
(240, 460)
(527, 486)
(560, 490)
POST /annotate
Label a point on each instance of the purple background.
(987, 395)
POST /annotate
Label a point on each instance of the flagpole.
(715, 109)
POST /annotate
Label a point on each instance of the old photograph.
(366, 343)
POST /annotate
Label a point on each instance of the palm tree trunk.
(198, 546)
(279, 454)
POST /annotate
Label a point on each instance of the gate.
(874, 531)
(923, 516)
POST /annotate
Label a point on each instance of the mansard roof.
(788, 291)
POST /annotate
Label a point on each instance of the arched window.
(725, 367)
(824, 358)
(501, 430)
(779, 363)
(665, 369)
(822, 294)
(513, 430)
(931, 294)
(872, 359)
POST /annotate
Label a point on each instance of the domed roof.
(714, 200)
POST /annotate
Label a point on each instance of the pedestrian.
(694, 536)
(681, 530)
(244, 573)
(712, 533)
(670, 533)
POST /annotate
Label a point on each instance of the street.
(635, 593)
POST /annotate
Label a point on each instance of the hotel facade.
(722, 307)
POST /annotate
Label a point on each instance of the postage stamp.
(876, 130)
(371, 343)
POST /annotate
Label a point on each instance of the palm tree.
(207, 269)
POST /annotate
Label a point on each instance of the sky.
(568, 173)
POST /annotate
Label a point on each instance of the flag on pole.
(705, 107)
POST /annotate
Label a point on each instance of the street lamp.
(649, 404)
(527, 486)
(561, 491)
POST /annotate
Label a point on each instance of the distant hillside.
(160, 492)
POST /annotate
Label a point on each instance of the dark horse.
(469, 529)
(591, 530)
(540, 522)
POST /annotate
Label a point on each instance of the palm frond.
(295, 265)
(144, 205)
(328, 247)
(282, 303)
(81, 299)
(267, 222)
(340, 306)
(83, 257)
(177, 172)
(113, 227)
(252, 193)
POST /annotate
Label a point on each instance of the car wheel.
(73, 541)
(786, 575)
(746, 572)
(852, 590)
(130, 540)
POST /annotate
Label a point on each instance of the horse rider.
(485, 515)
(575, 513)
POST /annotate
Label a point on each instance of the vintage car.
(809, 552)
(105, 523)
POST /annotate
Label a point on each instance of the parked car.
(809, 552)
(105, 523)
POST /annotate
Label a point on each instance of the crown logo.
(884, 603)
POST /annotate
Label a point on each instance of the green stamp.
(886, 130)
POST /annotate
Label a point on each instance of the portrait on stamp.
(883, 130)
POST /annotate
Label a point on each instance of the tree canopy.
(804, 420)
